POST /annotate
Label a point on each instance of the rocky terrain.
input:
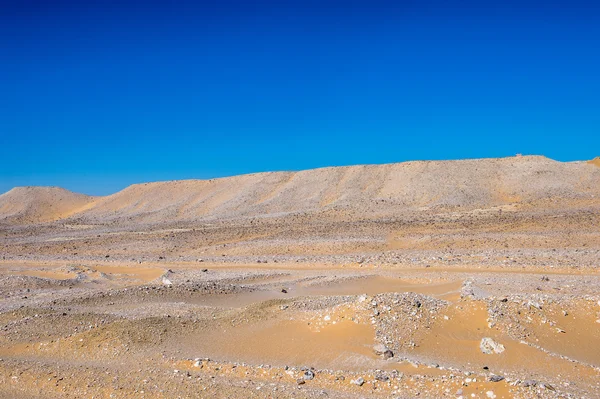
(457, 279)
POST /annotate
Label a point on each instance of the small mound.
(40, 204)
(595, 161)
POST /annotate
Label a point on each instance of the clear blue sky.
(95, 96)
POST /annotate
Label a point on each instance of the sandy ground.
(472, 279)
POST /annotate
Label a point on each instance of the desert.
(432, 279)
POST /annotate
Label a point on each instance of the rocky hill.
(365, 190)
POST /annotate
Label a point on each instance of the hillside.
(361, 190)
(23, 205)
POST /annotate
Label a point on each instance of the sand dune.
(40, 204)
(367, 189)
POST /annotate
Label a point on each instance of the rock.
(496, 378)
(547, 386)
(359, 381)
(382, 377)
(383, 350)
(489, 346)
(529, 383)
(380, 349)
(535, 305)
(490, 394)
(166, 281)
(204, 270)
(300, 381)
(284, 290)
(309, 375)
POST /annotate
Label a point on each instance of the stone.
(496, 378)
(309, 375)
(380, 349)
(547, 386)
(489, 346)
(359, 381)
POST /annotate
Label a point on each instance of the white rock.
(489, 346)
(359, 381)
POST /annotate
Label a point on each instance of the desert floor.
(471, 301)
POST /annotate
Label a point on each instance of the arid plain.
(442, 279)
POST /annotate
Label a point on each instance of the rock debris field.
(446, 279)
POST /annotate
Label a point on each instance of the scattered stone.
(309, 375)
(496, 378)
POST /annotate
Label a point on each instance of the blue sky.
(95, 96)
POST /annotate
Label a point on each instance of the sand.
(281, 284)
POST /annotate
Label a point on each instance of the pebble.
(359, 381)
(309, 375)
